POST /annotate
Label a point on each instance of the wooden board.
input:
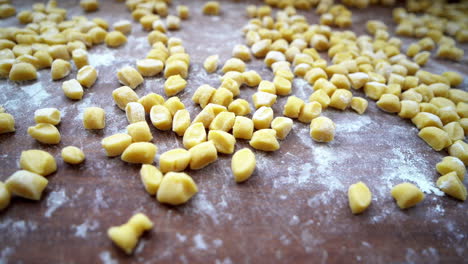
(293, 210)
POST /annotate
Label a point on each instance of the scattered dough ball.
(44, 60)
(223, 121)
(116, 144)
(243, 127)
(408, 109)
(60, 69)
(340, 81)
(459, 149)
(222, 96)
(359, 197)
(174, 104)
(241, 52)
(273, 56)
(7, 10)
(243, 164)
(435, 137)
(203, 94)
(282, 126)
(59, 52)
(463, 123)
(174, 160)
(202, 155)
(261, 48)
(211, 8)
(452, 164)
(211, 63)
(26, 184)
(264, 139)
(183, 11)
(205, 117)
(80, 58)
(149, 67)
(321, 97)
(45, 133)
(454, 78)
(234, 64)
(151, 178)
(47, 115)
(452, 185)
(262, 117)
(5, 196)
(223, 141)
(94, 118)
(322, 129)
(235, 75)
(38, 161)
(424, 119)
(359, 104)
(73, 155)
(22, 71)
(176, 188)
(126, 236)
(149, 100)
(407, 195)
(130, 77)
(7, 123)
(231, 85)
(283, 86)
(123, 26)
(251, 78)
(454, 130)
(263, 99)
(239, 107)
(135, 112)
(115, 39)
(310, 111)
(140, 152)
(341, 99)
(174, 85)
(124, 95)
(173, 22)
(175, 67)
(194, 135)
(267, 87)
(374, 90)
(389, 103)
(87, 76)
(139, 131)
(89, 5)
(293, 107)
(72, 89)
(181, 122)
(98, 35)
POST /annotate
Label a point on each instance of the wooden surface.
(293, 210)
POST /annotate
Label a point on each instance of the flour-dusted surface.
(294, 209)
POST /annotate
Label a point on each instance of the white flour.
(82, 229)
(5, 253)
(54, 201)
(199, 242)
(106, 258)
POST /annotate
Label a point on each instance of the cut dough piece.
(176, 188)
(452, 185)
(151, 178)
(359, 197)
(243, 164)
(126, 236)
(38, 161)
(407, 195)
